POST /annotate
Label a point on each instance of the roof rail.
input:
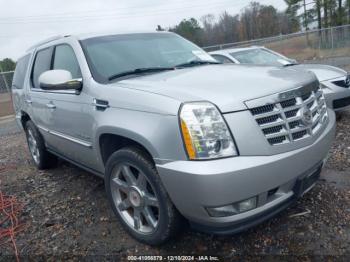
(48, 40)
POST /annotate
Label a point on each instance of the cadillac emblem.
(306, 115)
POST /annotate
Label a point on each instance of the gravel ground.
(68, 216)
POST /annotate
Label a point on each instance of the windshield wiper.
(140, 71)
(291, 64)
(197, 62)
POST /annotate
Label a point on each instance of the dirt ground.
(68, 216)
(6, 107)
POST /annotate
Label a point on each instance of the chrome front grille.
(292, 119)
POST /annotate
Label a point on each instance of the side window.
(222, 59)
(42, 63)
(65, 59)
(20, 72)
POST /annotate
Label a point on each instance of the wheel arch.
(110, 140)
(24, 118)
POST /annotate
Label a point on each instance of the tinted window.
(42, 63)
(65, 59)
(222, 59)
(20, 72)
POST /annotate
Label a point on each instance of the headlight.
(204, 131)
(323, 86)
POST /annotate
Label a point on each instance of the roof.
(105, 33)
(234, 50)
(83, 36)
(45, 41)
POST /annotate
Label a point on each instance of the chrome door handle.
(28, 101)
(50, 105)
(100, 105)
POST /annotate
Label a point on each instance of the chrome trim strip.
(72, 139)
(62, 92)
(43, 128)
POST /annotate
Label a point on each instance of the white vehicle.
(335, 82)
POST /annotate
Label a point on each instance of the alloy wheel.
(33, 146)
(135, 198)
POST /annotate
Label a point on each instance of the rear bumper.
(195, 185)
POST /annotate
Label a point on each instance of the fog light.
(224, 211)
(234, 209)
(247, 205)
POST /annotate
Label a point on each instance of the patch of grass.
(303, 48)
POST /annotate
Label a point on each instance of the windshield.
(116, 54)
(259, 56)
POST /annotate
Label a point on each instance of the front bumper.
(195, 185)
(337, 98)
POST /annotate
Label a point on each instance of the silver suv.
(176, 136)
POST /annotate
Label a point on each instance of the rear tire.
(139, 199)
(36, 144)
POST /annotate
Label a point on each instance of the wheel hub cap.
(135, 197)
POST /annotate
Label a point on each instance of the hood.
(227, 86)
(323, 72)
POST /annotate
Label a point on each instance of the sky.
(23, 22)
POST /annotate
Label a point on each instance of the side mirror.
(293, 61)
(59, 80)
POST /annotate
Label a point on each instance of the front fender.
(159, 134)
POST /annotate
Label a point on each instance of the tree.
(249, 20)
(159, 28)
(292, 14)
(255, 21)
(227, 28)
(340, 15)
(267, 18)
(318, 6)
(190, 29)
(7, 64)
(210, 35)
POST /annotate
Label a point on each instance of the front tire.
(41, 157)
(138, 197)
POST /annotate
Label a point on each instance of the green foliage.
(7, 65)
(325, 12)
(190, 29)
(159, 28)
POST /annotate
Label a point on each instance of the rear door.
(18, 86)
(37, 98)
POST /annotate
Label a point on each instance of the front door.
(71, 114)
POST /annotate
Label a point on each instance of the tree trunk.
(349, 11)
(325, 10)
(306, 22)
(340, 12)
(319, 15)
